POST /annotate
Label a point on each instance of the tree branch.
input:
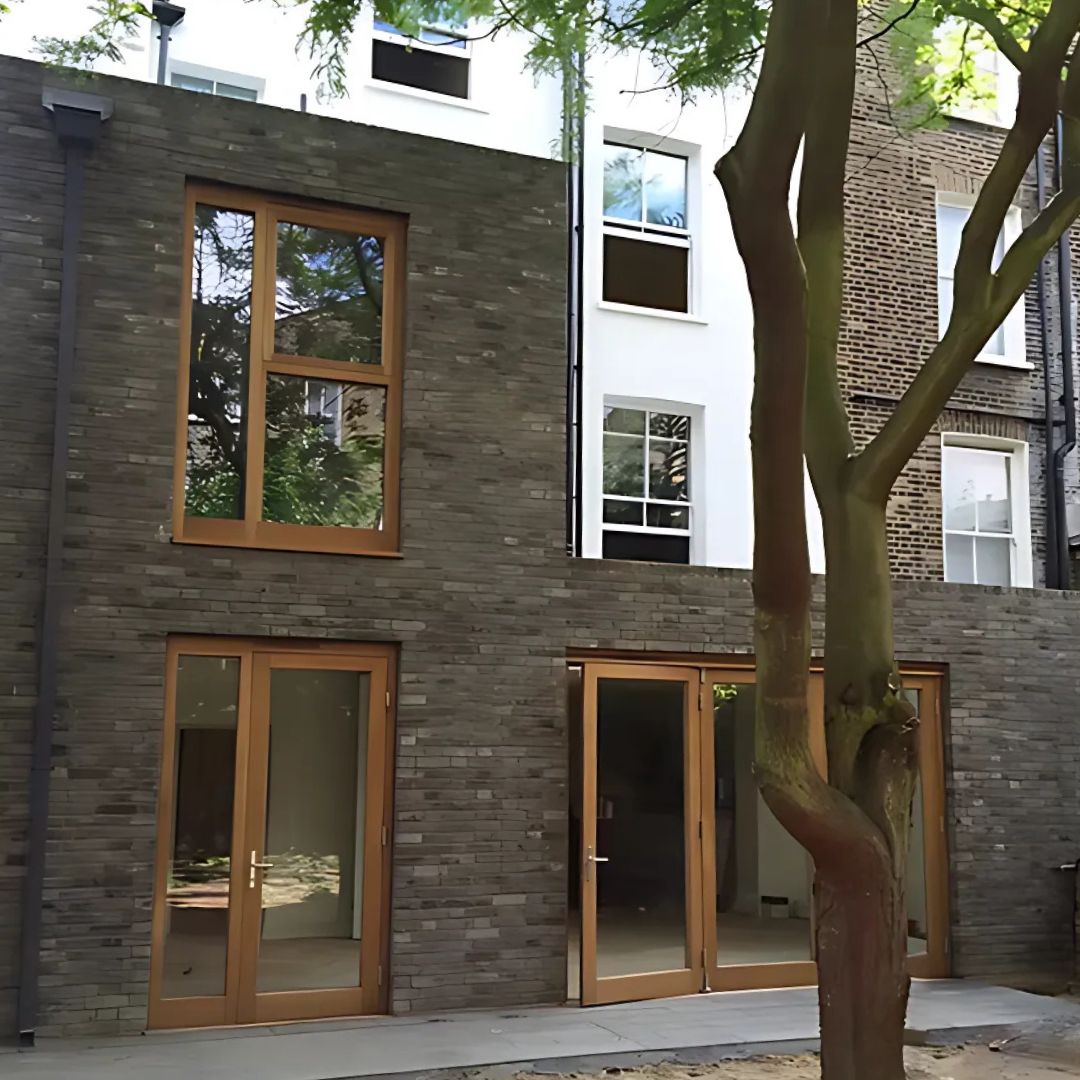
(828, 441)
(893, 22)
(1000, 34)
(981, 298)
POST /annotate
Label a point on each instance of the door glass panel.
(916, 865)
(309, 934)
(763, 876)
(640, 827)
(197, 886)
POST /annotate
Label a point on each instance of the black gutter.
(77, 119)
(1068, 400)
(574, 147)
(1048, 396)
(167, 16)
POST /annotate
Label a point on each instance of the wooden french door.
(688, 882)
(640, 845)
(273, 857)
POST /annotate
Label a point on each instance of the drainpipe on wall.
(77, 119)
(1068, 401)
(1051, 571)
(166, 16)
(574, 143)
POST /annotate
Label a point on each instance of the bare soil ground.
(969, 1063)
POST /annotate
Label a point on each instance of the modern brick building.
(340, 726)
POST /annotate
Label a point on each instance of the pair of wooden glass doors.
(272, 870)
(687, 881)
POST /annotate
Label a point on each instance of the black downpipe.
(167, 16)
(575, 328)
(77, 128)
(1068, 401)
(1048, 396)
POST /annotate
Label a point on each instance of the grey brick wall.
(484, 605)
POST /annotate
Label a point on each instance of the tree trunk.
(871, 734)
(861, 934)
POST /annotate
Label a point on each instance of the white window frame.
(1021, 572)
(1002, 111)
(215, 76)
(649, 232)
(400, 38)
(693, 457)
(1015, 336)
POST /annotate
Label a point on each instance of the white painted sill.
(425, 95)
(654, 313)
(989, 360)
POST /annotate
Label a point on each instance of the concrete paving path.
(701, 1028)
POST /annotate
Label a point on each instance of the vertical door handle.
(253, 865)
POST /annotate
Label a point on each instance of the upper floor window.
(646, 485)
(436, 60)
(1007, 344)
(985, 512)
(646, 234)
(220, 87)
(290, 373)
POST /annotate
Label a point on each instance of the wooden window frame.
(250, 530)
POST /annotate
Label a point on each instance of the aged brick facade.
(484, 603)
(890, 322)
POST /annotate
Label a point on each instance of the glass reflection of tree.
(668, 459)
(329, 294)
(222, 261)
(317, 472)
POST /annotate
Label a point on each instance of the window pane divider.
(312, 367)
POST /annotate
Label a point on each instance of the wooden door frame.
(594, 989)
(372, 996)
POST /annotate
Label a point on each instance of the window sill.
(655, 313)
(1004, 362)
(425, 95)
(327, 545)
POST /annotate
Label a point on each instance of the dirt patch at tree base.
(946, 1063)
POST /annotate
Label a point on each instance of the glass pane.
(977, 490)
(641, 890)
(993, 560)
(329, 294)
(311, 895)
(624, 465)
(627, 421)
(763, 878)
(622, 182)
(661, 516)
(437, 37)
(241, 93)
(197, 886)
(646, 273)
(959, 559)
(669, 425)
(995, 502)
(916, 865)
(950, 224)
(618, 512)
(222, 259)
(189, 82)
(665, 190)
(324, 452)
(668, 470)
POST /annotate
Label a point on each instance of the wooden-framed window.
(289, 389)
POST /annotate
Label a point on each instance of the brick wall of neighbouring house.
(891, 315)
(484, 604)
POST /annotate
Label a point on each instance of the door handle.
(591, 860)
(253, 866)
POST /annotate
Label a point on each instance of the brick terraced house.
(375, 523)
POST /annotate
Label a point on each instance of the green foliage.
(118, 20)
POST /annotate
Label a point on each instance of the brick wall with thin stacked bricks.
(891, 322)
(484, 605)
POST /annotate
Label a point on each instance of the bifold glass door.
(272, 854)
(688, 881)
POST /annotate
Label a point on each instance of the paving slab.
(706, 1027)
